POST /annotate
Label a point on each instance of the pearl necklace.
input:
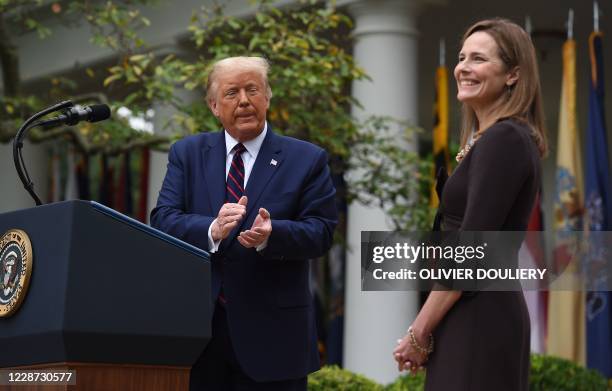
(461, 154)
(464, 151)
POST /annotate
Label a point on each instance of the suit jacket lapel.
(214, 156)
(268, 160)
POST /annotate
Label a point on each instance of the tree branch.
(155, 142)
(9, 61)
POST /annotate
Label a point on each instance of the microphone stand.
(18, 145)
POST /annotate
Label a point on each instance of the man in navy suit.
(263, 205)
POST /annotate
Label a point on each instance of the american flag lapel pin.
(273, 162)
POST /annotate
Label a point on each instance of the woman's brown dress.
(483, 341)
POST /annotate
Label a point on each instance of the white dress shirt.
(248, 158)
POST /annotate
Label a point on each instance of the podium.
(123, 305)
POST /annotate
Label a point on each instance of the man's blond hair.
(256, 64)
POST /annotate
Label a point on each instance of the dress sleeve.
(499, 166)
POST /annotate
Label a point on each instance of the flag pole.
(595, 16)
(528, 26)
(570, 24)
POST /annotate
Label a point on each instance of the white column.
(386, 47)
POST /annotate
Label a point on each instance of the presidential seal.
(15, 270)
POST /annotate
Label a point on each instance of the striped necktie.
(234, 184)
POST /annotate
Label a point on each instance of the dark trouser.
(218, 369)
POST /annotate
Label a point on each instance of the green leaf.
(233, 23)
(111, 79)
(138, 57)
(30, 23)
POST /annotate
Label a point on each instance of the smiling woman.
(497, 77)
(482, 76)
(482, 338)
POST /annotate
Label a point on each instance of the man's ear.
(212, 105)
(513, 76)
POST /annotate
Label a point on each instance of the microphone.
(76, 114)
(71, 116)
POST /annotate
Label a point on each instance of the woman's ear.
(513, 76)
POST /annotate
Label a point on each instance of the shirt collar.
(252, 146)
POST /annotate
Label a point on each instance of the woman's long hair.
(523, 100)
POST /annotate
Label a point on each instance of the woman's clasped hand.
(412, 351)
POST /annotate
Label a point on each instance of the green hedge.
(335, 378)
(408, 383)
(553, 373)
(547, 374)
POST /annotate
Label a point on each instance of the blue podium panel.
(106, 288)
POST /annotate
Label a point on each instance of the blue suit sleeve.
(310, 234)
(170, 214)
